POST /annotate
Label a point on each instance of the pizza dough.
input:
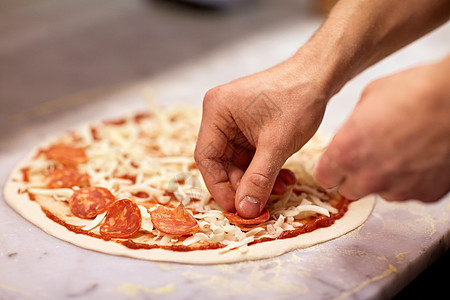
(240, 250)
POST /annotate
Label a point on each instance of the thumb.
(257, 182)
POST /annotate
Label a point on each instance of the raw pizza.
(130, 187)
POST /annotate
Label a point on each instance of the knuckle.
(214, 94)
(261, 181)
(209, 97)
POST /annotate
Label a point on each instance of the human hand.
(397, 140)
(249, 128)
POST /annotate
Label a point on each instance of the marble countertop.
(398, 241)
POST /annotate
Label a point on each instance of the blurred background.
(50, 49)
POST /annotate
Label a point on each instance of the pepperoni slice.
(122, 220)
(176, 221)
(88, 202)
(237, 219)
(66, 154)
(66, 177)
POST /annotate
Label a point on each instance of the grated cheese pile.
(147, 159)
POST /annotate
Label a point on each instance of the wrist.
(328, 70)
(357, 34)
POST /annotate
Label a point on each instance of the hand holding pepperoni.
(250, 127)
(237, 219)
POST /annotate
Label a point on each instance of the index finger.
(217, 181)
(210, 153)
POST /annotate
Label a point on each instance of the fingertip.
(224, 195)
(235, 175)
(325, 176)
(287, 176)
(318, 174)
(228, 206)
(249, 207)
(252, 194)
(257, 183)
(349, 191)
(279, 187)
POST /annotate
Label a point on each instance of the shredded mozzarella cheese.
(234, 245)
(59, 194)
(94, 223)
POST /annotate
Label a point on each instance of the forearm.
(359, 33)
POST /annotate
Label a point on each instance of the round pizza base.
(357, 214)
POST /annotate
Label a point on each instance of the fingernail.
(249, 207)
